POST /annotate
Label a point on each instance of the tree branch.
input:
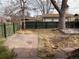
(64, 5)
(55, 5)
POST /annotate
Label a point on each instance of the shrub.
(5, 53)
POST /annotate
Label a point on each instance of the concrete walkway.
(25, 45)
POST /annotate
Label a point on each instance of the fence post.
(46, 25)
(5, 30)
(13, 27)
(35, 25)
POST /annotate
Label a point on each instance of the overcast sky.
(73, 5)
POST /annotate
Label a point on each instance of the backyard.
(39, 29)
(42, 44)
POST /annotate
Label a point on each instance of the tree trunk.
(20, 24)
(62, 19)
(24, 27)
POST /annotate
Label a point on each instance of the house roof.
(54, 15)
(30, 18)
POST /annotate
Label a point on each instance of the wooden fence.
(38, 25)
(8, 29)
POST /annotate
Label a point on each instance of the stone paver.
(25, 45)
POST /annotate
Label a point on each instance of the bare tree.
(42, 6)
(18, 8)
(62, 12)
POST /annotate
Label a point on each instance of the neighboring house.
(76, 17)
(55, 17)
(15, 19)
(5, 20)
(18, 19)
(28, 19)
(2, 19)
(44, 17)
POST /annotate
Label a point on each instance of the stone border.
(70, 31)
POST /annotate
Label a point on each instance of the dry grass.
(45, 48)
(50, 41)
(24, 32)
